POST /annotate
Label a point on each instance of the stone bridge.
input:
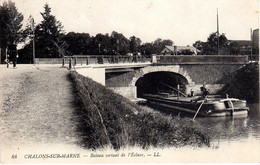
(189, 72)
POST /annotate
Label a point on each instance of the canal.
(228, 130)
(232, 130)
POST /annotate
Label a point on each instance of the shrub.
(244, 84)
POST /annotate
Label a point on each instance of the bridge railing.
(104, 59)
(49, 60)
(202, 59)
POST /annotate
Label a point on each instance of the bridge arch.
(160, 82)
(150, 69)
(159, 78)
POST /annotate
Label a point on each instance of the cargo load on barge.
(211, 105)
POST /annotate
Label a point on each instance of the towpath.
(36, 109)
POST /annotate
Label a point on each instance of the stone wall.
(97, 75)
(128, 92)
(213, 76)
(210, 74)
(198, 74)
(130, 78)
(119, 79)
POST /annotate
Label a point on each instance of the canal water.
(228, 130)
(233, 130)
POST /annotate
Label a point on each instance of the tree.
(234, 48)
(120, 43)
(200, 46)
(185, 52)
(48, 35)
(160, 44)
(211, 46)
(147, 48)
(78, 43)
(102, 44)
(28, 56)
(213, 43)
(155, 47)
(11, 32)
(135, 44)
(30, 27)
(167, 42)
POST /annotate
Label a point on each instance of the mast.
(251, 37)
(217, 31)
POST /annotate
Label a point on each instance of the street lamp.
(33, 41)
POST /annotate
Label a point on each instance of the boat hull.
(208, 108)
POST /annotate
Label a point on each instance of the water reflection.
(227, 129)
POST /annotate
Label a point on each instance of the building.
(182, 50)
(255, 41)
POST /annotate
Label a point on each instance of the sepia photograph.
(129, 81)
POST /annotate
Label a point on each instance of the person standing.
(15, 57)
(13, 54)
(204, 91)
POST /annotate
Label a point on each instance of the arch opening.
(158, 82)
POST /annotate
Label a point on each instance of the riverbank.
(112, 120)
(244, 84)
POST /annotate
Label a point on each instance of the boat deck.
(212, 105)
(183, 99)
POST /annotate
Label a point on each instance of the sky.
(182, 21)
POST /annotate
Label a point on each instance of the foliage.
(202, 46)
(116, 43)
(51, 41)
(120, 43)
(29, 30)
(135, 44)
(82, 43)
(11, 24)
(244, 84)
(26, 54)
(155, 47)
(213, 43)
(110, 119)
(11, 32)
(211, 46)
(185, 52)
(234, 48)
(48, 34)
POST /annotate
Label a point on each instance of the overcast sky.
(182, 21)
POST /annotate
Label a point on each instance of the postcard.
(129, 81)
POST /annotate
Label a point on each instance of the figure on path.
(13, 54)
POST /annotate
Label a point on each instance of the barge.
(211, 105)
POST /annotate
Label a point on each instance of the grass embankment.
(112, 120)
(244, 84)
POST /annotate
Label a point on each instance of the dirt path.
(36, 107)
